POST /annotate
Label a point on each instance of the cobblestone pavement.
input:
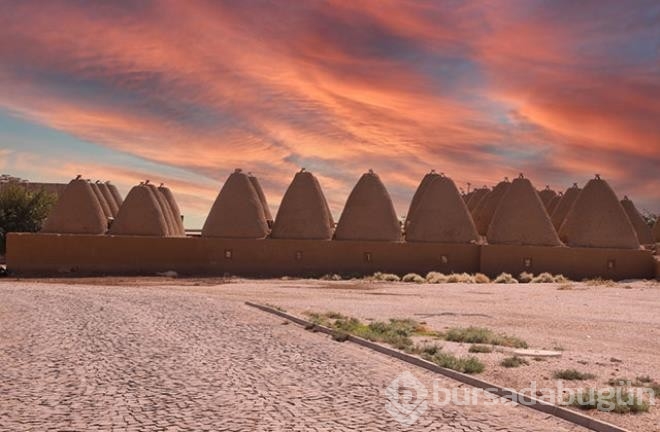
(173, 358)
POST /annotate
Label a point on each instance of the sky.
(184, 92)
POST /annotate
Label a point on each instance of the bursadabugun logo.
(406, 399)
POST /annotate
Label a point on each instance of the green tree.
(649, 217)
(21, 210)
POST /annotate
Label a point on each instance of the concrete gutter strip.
(525, 400)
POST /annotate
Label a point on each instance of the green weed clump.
(469, 365)
(573, 375)
(480, 335)
(481, 349)
(617, 400)
(513, 362)
(395, 332)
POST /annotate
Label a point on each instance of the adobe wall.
(56, 253)
(574, 263)
(38, 253)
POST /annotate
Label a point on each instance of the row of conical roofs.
(590, 218)
(513, 212)
(87, 207)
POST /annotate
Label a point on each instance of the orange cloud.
(479, 91)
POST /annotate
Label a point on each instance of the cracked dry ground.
(179, 358)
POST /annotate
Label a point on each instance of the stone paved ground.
(172, 358)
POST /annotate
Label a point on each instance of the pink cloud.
(479, 91)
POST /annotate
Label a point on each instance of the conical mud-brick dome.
(547, 195)
(521, 218)
(483, 214)
(327, 207)
(140, 214)
(564, 206)
(369, 213)
(78, 211)
(262, 197)
(597, 219)
(109, 199)
(237, 211)
(656, 230)
(303, 213)
(476, 197)
(104, 204)
(441, 215)
(553, 204)
(115, 194)
(479, 203)
(165, 209)
(414, 203)
(643, 231)
(174, 208)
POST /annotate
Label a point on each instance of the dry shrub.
(544, 277)
(413, 277)
(386, 277)
(525, 277)
(460, 278)
(481, 278)
(505, 278)
(436, 277)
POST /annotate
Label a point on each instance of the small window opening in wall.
(444, 259)
(611, 264)
(299, 255)
(367, 257)
(527, 262)
(228, 254)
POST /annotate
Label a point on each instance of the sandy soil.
(610, 330)
(172, 358)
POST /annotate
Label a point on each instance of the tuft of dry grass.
(481, 349)
(413, 277)
(618, 400)
(544, 277)
(514, 362)
(460, 278)
(480, 335)
(436, 277)
(385, 277)
(469, 365)
(505, 278)
(481, 278)
(573, 375)
(600, 282)
(644, 381)
(525, 277)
